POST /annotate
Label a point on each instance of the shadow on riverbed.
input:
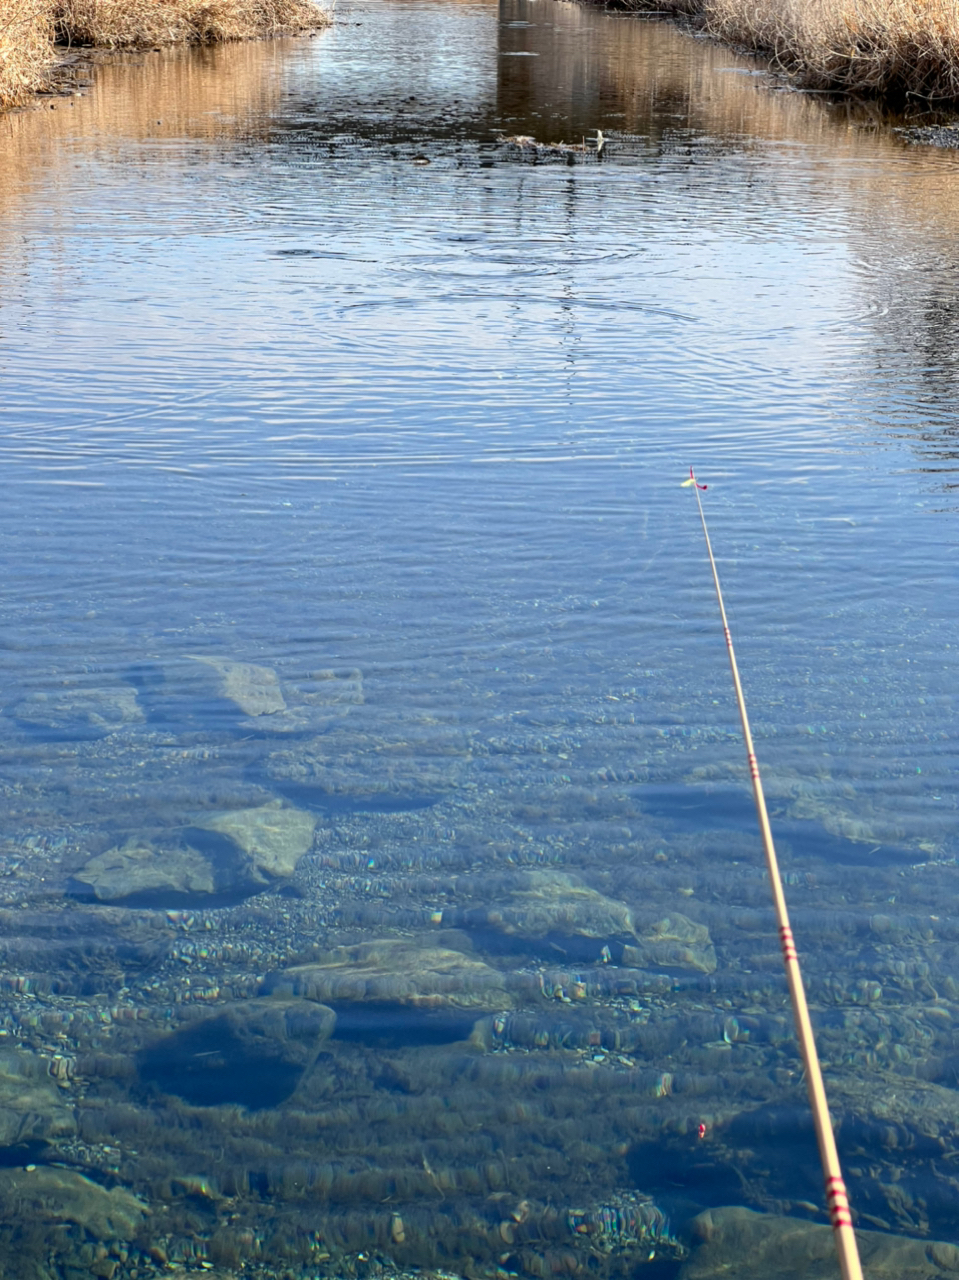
(690, 810)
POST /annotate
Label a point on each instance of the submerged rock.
(140, 867)
(739, 1244)
(234, 853)
(46, 1195)
(79, 710)
(199, 684)
(199, 691)
(252, 689)
(908, 1125)
(673, 943)
(546, 902)
(32, 1109)
(269, 840)
(252, 1053)
(314, 704)
(397, 971)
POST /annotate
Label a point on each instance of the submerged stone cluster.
(336, 997)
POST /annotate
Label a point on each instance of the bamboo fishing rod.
(837, 1200)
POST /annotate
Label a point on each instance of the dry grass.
(138, 24)
(879, 47)
(31, 30)
(26, 48)
(866, 46)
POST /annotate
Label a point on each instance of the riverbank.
(36, 34)
(893, 49)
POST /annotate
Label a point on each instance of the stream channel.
(380, 891)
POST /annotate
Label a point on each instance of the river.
(379, 881)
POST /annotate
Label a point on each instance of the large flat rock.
(540, 903)
(140, 867)
(738, 1244)
(32, 1108)
(673, 943)
(315, 703)
(237, 852)
(47, 1195)
(271, 838)
(253, 690)
(398, 971)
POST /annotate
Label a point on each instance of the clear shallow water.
(277, 392)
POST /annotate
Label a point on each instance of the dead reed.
(890, 48)
(138, 24)
(32, 32)
(894, 47)
(26, 48)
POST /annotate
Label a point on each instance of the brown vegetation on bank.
(33, 33)
(26, 44)
(138, 24)
(881, 47)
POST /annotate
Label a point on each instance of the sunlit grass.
(26, 47)
(872, 46)
(886, 47)
(31, 30)
(137, 24)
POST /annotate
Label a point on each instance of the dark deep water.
(379, 886)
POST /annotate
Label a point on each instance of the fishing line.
(837, 1200)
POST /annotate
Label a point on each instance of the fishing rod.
(837, 1200)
